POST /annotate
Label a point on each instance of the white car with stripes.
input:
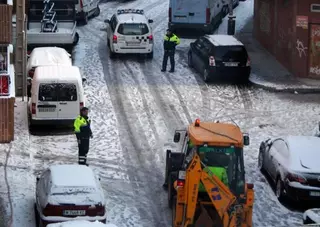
(129, 32)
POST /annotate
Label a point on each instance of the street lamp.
(231, 20)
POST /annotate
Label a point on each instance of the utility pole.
(231, 20)
(20, 50)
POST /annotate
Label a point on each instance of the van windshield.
(238, 53)
(133, 29)
(58, 92)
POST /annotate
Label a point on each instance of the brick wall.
(6, 120)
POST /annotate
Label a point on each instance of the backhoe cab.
(206, 180)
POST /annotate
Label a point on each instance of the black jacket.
(170, 42)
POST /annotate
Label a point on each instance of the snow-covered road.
(135, 109)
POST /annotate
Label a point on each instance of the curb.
(286, 90)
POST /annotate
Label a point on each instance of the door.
(314, 51)
(111, 27)
(204, 54)
(181, 10)
(47, 106)
(69, 103)
(196, 54)
(197, 11)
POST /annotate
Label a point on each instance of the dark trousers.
(83, 145)
(168, 54)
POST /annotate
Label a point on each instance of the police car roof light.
(137, 11)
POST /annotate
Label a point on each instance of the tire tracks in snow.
(133, 142)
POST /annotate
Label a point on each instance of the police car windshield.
(229, 158)
(133, 29)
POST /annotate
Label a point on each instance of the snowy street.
(135, 109)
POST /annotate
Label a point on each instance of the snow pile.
(81, 224)
(313, 215)
(316, 131)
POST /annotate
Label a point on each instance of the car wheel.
(76, 39)
(36, 215)
(206, 75)
(279, 189)
(97, 12)
(190, 64)
(261, 161)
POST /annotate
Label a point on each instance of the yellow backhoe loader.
(206, 180)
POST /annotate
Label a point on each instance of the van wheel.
(76, 39)
(97, 12)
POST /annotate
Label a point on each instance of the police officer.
(83, 132)
(169, 45)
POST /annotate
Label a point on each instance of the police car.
(129, 32)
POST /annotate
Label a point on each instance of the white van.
(57, 95)
(205, 15)
(86, 9)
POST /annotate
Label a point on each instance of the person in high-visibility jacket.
(169, 45)
(83, 133)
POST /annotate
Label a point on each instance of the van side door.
(69, 101)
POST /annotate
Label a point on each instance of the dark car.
(293, 165)
(220, 57)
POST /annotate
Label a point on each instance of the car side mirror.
(246, 139)
(107, 21)
(176, 137)
(150, 21)
(84, 80)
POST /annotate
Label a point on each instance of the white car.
(86, 9)
(292, 163)
(69, 192)
(47, 56)
(129, 32)
(81, 224)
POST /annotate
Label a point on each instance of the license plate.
(133, 44)
(43, 110)
(182, 175)
(74, 212)
(315, 193)
(232, 64)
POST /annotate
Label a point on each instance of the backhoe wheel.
(279, 189)
(171, 191)
(174, 201)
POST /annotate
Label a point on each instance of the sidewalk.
(268, 73)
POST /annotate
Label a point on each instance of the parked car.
(69, 192)
(292, 163)
(86, 9)
(56, 96)
(81, 224)
(220, 57)
(47, 56)
(205, 15)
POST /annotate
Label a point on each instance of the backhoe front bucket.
(209, 217)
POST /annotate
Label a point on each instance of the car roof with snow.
(49, 56)
(72, 176)
(304, 152)
(81, 224)
(131, 18)
(58, 72)
(223, 40)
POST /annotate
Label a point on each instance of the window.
(65, 11)
(113, 23)
(58, 92)
(231, 160)
(281, 147)
(199, 44)
(238, 53)
(315, 8)
(133, 29)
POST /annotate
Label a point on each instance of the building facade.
(290, 30)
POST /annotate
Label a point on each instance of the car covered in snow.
(292, 162)
(47, 56)
(129, 32)
(220, 57)
(80, 224)
(311, 216)
(69, 192)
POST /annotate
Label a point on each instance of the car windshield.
(133, 29)
(58, 92)
(238, 53)
(229, 159)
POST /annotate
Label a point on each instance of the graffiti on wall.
(301, 48)
(265, 21)
(314, 55)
